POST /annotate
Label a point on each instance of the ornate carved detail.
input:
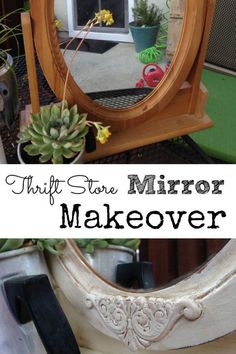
(140, 321)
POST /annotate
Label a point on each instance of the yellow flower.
(103, 135)
(104, 16)
(58, 24)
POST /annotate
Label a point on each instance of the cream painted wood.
(224, 345)
(197, 310)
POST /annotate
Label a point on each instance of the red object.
(140, 83)
(152, 75)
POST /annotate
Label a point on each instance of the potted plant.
(21, 263)
(54, 246)
(8, 83)
(58, 133)
(105, 254)
(146, 24)
(26, 255)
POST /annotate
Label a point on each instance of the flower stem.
(88, 28)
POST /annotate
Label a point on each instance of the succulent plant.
(10, 244)
(91, 244)
(55, 133)
(54, 246)
(146, 14)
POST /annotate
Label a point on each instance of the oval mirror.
(55, 67)
(118, 66)
(173, 317)
(147, 264)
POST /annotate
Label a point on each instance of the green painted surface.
(220, 141)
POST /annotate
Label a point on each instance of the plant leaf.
(11, 244)
(32, 150)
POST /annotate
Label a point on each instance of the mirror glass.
(162, 261)
(119, 65)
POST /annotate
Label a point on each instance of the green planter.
(144, 37)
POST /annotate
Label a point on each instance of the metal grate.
(222, 44)
(120, 98)
(176, 151)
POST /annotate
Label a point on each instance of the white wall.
(61, 10)
(159, 3)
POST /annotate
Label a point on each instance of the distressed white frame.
(197, 310)
(116, 37)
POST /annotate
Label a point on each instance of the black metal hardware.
(90, 142)
(196, 147)
(32, 297)
(138, 274)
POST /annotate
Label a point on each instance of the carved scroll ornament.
(140, 321)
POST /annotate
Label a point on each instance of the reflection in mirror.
(115, 67)
(148, 263)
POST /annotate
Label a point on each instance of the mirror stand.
(175, 108)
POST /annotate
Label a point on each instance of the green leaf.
(56, 111)
(45, 115)
(45, 158)
(46, 130)
(32, 150)
(67, 145)
(73, 121)
(47, 140)
(89, 248)
(24, 136)
(2, 242)
(79, 146)
(76, 149)
(11, 244)
(78, 140)
(40, 245)
(58, 160)
(133, 244)
(46, 149)
(83, 117)
(118, 241)
(56, 145)
(36, 118)
(33, 133)
(57, 153)
(66, 121)
(82, 133)
(99, 243)
(73, 110)
(65, 113)
(82, 242)
(68, 154)
(54, 133)
(38, 127)
(73, 135)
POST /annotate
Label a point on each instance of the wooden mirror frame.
(175, 108)
(197, 310)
